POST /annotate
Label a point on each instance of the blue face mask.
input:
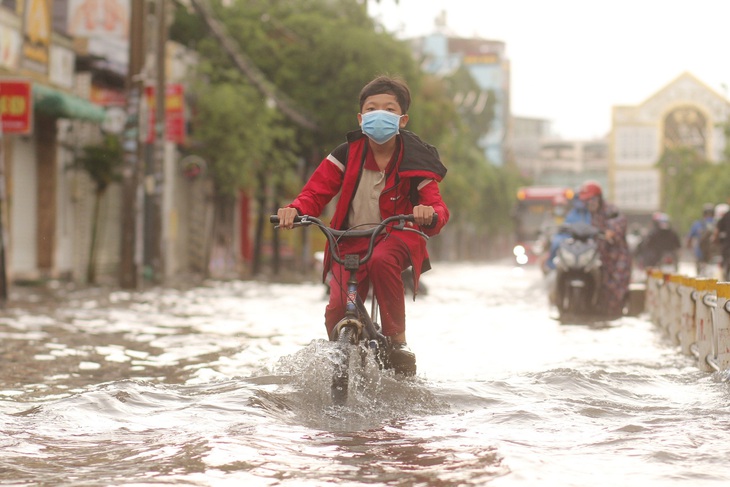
(380, 125)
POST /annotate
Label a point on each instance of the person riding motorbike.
(699, 238)
(550, 228)
(613, 249)
(577, 213)
(722, 236)
(661, 240)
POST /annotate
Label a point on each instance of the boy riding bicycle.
(379, 172)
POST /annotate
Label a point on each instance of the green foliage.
(711, 185)
(187, 28)
(691, 181)
(240, 135)
(433, 115)
(319, 57)
(103, 161)
(475, 106)
(726, 133)
(476, 191)
(319, 54)
(679, 166)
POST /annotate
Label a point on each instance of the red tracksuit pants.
(390, 258)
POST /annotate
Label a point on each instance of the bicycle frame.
(356, 314)
(355, 311)
(357, 324)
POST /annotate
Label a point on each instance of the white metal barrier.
(694, 313)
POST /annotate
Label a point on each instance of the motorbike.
(669, 262)
(577, 276)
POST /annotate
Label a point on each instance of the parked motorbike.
(577, 278)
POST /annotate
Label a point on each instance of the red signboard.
(543, 193)
(174, 113)
(16, 106)
(106, 97)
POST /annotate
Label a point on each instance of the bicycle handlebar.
(333, 234)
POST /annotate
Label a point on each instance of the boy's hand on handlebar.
(423, 215)
(286, 217)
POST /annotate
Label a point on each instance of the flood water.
(228, 384)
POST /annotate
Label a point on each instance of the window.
(686, 127)
(12, 5)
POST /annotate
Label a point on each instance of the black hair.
(390, 85)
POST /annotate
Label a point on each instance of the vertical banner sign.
(36, 35)
(16, 109)
(104, 25)
(148, 129)
(174, 113)
(9, 48)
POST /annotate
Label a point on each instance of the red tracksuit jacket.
(340, 172)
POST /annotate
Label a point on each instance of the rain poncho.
(616, 259)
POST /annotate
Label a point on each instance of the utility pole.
(129, 259)
(248, 68)
(155, 144)
(3, 231)
(155, 258)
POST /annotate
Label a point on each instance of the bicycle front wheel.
(341, 374)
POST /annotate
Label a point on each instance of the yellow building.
(687, 113)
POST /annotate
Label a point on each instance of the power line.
(250, 70)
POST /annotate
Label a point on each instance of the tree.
(479, 194)
(102, 162)
(319, 54)
(475, 105)
(305, 54)
(243, 140)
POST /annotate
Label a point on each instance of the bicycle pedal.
(402, 359)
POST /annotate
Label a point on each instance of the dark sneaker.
(402, 359)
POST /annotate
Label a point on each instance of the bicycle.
(358, 327)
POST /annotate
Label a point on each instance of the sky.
(573, 60)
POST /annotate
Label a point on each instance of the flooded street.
(228, 384)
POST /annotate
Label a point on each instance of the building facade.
(685, 113)
(527, 135)
(487, 62)
(74, 69)
(38, 54)
(548, 160)
(570, 162)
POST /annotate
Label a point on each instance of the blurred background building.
(487, 63)
(528, 142)
(684, 113)
(63, 84)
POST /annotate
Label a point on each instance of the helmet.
(720, 210)
(589, 189)
(660, 219)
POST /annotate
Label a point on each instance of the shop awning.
(58, 104)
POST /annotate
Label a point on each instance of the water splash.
(375, 395)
